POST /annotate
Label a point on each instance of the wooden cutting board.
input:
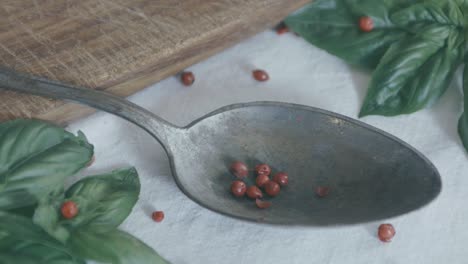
(120, 46)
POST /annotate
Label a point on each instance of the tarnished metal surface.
(372, 175)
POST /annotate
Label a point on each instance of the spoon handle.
(156, 126)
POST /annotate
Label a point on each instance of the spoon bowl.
(371, 174)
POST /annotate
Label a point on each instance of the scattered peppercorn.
(262, 204)
(238, 188)
(281, 29)
(322, 191)
(187, 78)
(239, 169)
(263, 169)
(157, 216)
(69, 209)
(366, 24)
(386, 232)
(260, 75)
(281, 178)
(262, 180)
(254, 192)
(272, 188)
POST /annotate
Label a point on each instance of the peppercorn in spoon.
(371, 174)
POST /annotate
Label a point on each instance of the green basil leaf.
(104, 201)
(47, 216)
(27, 211)
(454, 11)
(423, 12)
(21, 139)
(116, 247)
(379, 10)
(22, 251)
(332, 25)
(26, 252)
(440, 12)
(463, 122)
(414, 73)
(35, 158)
(462, 4)
(21, 240)
(6, 258)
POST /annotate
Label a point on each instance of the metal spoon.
(371, 174)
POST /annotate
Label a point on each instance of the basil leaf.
(47, 216)
(379, 10)
(414, 72)
(116, 247)
(21, 240)
(463, 122)
(104, 201)
(462, 4)
(440, 12)
(6, 258)
(454, 12)
(333, 25)
(21, 139)
(35, 158)
(27, 211)
(27, 252)
(423, 12)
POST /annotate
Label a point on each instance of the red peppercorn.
(157, 216)
(262, 204)
(93, 159)
(281, 178)
(261, 180)
(238, 188)
(254, 192)
(260, 75)
(386, 232)
(263, 169)
(322, 191)
(272, 188)
(281, 29)
(69, 209)
(239, 169)
(187, 78)
(366, 24)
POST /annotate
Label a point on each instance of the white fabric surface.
(303, 74)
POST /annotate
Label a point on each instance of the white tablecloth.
(303, 74)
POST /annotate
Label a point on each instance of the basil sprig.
(415, 48)
(35, 160)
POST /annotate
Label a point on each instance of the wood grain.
(120, 46)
